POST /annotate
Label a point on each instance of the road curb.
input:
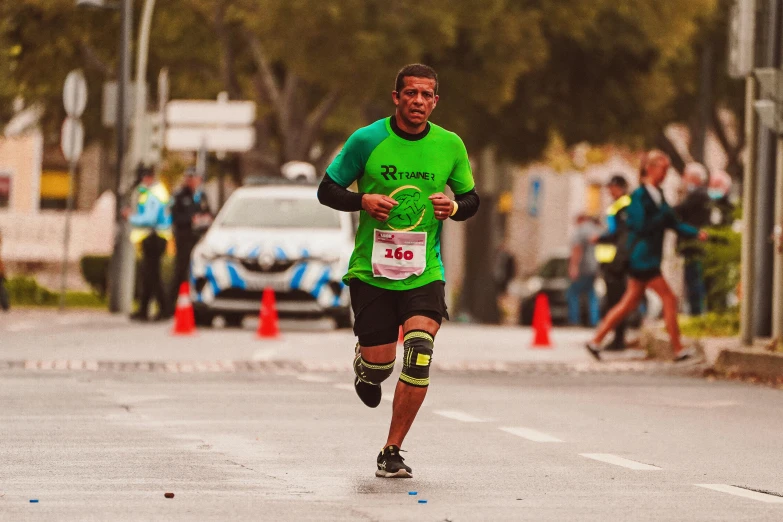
(750, 363)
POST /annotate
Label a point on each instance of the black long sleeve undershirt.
(337, 197)
(333, 195)
(467, 205)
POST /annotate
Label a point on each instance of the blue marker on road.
(413, 493)
(422, 501)
(33, 501)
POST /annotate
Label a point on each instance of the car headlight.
(534, 285)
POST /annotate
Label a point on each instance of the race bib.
(398, 255)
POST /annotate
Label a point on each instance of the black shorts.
(379, 312)
(645, 276)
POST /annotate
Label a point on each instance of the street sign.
(75, 94)
(742, 35)
(770, 115)
(72, 139)
(210, 113)
(770, 83)
(109, 106)
(240, 139)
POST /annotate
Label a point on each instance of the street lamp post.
(123, 257)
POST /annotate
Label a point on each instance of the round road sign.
(72, 139)
(75, 94)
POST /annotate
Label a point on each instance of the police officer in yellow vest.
(151, 227)
(611, 252)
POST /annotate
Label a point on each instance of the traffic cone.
(542, 322)
(184, 320)
(267, 319)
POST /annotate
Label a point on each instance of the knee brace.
(418, 356)
(372, 373)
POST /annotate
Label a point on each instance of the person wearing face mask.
(695, 210)
(649, 215)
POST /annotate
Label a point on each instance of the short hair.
(698, 171)
(416, 70)
(651, 157)
(618, 180)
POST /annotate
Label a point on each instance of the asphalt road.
(294, 443)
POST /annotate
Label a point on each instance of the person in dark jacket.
(191, 216)
(612, 255)
(695, 210)
(649, 215)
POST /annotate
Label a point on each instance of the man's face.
(616, 191)
(657, 171)
(193, 182)
(416, 100)
(148, 180)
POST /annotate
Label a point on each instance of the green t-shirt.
(409, 171)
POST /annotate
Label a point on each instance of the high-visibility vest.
(605, 252)
(163, 225)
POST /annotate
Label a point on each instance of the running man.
(396, 275)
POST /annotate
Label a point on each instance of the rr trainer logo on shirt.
(390, 174)
(410, 208)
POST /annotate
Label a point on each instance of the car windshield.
(278, 213)
(554, 268)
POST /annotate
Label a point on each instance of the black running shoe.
(370, 394)
(392, 465)
(594, 350)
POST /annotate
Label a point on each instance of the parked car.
(278, 237)
(551, 279)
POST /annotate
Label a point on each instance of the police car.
(277, 237)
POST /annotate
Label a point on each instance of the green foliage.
(25, 291)
(725, 324)
(722, 255)
(512, 72)
(95, 270)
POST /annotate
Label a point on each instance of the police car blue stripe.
(254, 253)
(280, 253)
(297, 279)
(321, 282)
(210, 275)
(236, 281)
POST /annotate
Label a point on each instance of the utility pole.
(765, 181)
(741, 62)
(123, 258)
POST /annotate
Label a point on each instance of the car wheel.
(344, 319)
(203, 317)
(234, 320)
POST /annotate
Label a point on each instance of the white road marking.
(532, 435)
(264, 354)
(741, 492)
(307, 377)
(344, 386)
(619, 461)
(458, 415)
(388, 398)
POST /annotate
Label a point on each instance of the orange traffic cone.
(267, 319)
(542, 322)
(184, 320)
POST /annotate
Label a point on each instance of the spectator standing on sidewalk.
(695, 210)
(583, 269)
(649, 215)
(191, 217)
(612, 253)
(5, 303)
